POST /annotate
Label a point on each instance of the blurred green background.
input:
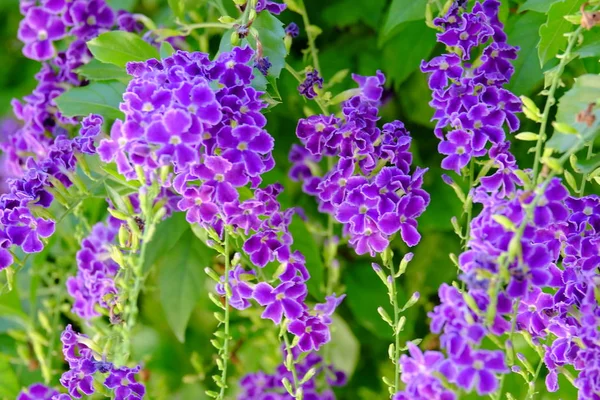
(354, 38)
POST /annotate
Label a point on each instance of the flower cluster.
(39, 156)
(94, 283)
(202, 120)
(19, 226)
(84, 364)
(469, 98)
(529, 267)
(260, 385)
(370, 189)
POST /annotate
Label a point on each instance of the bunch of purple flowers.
(39, 156)
(370, 189)
(469, 98)
(260, 385)
(84, 365)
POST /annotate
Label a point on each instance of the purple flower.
(197, 201)
(472, 33)
(292, 30)
(37, 391)
(479, 368)
(94, 283)
(262, 64)
(442, 69)
(457, 150)
(122, 381)
(312, 331)
(287, 298)
(90, 17)
(241, 291)
(307, 88)
(248, 145)
(25, 230)
(38, 30)
(174, 137)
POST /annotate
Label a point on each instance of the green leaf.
(166, 50)
(177, 6)
(11, 310)
(587, 166)
(305, 243)
(403, 11)
(168, 233)
(9, 384)
(541, 6)
(98, 71)
(271, 34)
(126, 5)
(591, 45)
(181, 279)
(552, 38)
(415, 41)
(522, 31)
(365, 293)
(585, 90)
(340, 14)
(120, 47)
(97, 98)
(344, 348)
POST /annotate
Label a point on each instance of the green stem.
(187, 29)
(394, 300)
(311, 39)
(531, 388)
(225, 350)
(292, 366)
(564, 60)
(139, 278)
(468, 206)
(585, 175)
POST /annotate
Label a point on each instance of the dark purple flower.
(442, 68)
(457, 149)
(292, 30)
(263, 64)
(248, 145)
(307, 88)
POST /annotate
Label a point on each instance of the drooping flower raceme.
(260, 385)
(39, 155)
(85, 365)
(370, 189)
(470, 101)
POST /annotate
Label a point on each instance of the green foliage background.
(359, 36)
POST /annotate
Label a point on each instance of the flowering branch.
(565, 58)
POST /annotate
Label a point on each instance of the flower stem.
(311, 38)
(585, 175)
(468, 206)
(290, 365)
(394, 300)
(550, 101)
(225, 350)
